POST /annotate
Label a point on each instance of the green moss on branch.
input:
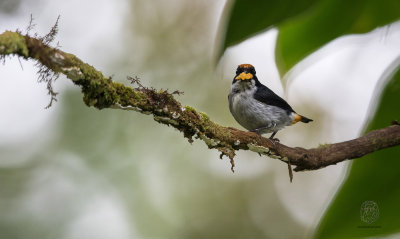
(13, 43)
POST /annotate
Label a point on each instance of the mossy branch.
(101, 92)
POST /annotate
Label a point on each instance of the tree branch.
(101, 92)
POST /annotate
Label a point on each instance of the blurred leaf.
(249, 17)
(9, 6)
(326, 21)
(304, 25)
(371, 178)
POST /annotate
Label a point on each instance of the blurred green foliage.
(373, 177)
(9, 6)
(306, 25)
(247, 18)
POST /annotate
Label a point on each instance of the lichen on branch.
(102, 92)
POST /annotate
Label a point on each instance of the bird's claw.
(257, 131)
(275, 140)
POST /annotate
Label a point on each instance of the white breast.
(253, 114)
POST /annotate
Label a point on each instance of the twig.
(289, 165)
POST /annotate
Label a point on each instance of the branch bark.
(101, 92)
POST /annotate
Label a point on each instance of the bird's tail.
(305, 119)
(300, 118)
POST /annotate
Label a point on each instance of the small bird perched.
(257, 108)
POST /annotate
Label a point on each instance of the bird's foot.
(268, 128)
(272, 136)
(275, 140)
(257, 131)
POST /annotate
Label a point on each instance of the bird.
(256, 107)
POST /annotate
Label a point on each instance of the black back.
(267, 96)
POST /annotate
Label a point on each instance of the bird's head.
(244, 73)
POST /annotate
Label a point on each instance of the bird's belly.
(252, 114)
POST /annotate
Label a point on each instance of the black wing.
(267, 96)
